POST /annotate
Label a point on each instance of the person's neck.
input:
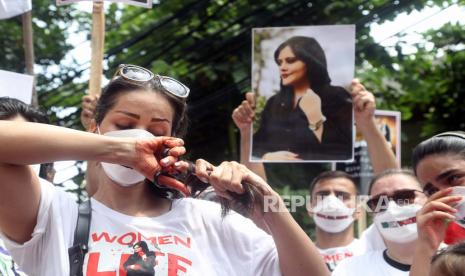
(301, 88)
(325, 240)
(137, 200)
(401, 252)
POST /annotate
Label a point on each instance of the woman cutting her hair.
(137, 117)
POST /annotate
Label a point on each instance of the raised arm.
(243, 117)
(381, 155)
(28, 143)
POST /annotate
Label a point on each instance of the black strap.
(79, 249)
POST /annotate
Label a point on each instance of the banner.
(11, 8)
(18, 86)
(388, 123)
(139, 3)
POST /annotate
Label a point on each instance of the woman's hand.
(281, 156)
(432, 218)
(310, 103)
(364, 104)
(148, 156)
(89, 102)
(229, 177)
(244, 114)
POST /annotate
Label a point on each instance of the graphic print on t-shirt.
(134, 253)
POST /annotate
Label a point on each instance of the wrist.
(367, 126)
(117, 149)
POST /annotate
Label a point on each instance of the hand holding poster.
(140, 3)
(304, 112)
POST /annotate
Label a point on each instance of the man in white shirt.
(334, 210)
(395, 197)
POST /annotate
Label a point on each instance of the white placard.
(139, 3)
(11, 8)
(18, 86)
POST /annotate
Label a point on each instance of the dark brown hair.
(449, 261)
(118, 86)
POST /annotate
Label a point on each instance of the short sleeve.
(52, 233)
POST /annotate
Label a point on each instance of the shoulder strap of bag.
(81, 239)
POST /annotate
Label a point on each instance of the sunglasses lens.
(136, 73)
(404, 197)
(375, 204)
(175, 87)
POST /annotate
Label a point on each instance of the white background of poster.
(15, 85)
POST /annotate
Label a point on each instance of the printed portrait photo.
(300, 77)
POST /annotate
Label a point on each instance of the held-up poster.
(140, 3)
(388, 122)
(15, 85)
(299, 76)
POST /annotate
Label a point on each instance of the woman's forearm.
(29, 143)
(297, 253)
(381, 155)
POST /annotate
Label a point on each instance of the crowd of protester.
(147, 214)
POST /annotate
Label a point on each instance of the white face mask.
(398, 223)
(460, 206)
(125, 176)
(332, 215)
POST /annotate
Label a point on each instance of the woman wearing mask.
(395, 197)
(308, 119)
(135, 115)
(439, 164)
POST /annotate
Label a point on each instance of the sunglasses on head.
(379, 203)
(139, 74)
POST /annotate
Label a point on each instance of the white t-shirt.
(372, 240)
(7, 266)
(333, 256)
(191, 239)
(370, 263)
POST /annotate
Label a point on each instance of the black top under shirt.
(285, 128)
(394, 263)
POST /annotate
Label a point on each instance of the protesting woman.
(137, 116)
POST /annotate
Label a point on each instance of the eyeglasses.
(380, 202)
(339, 194)
(139, 74)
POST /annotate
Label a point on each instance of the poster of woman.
(304, 112)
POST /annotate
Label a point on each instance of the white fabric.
(10, 8)
(7, 264)
(371, 239)
(333, 256)
(370, 263)
(191, 239)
